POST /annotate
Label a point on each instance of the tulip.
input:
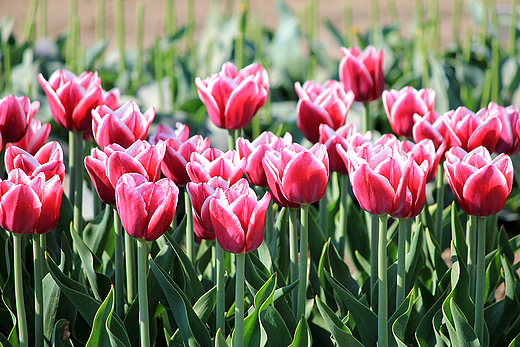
(123, 126)
(469, 130)
(16, 114)
(72, 98)
(331, 138)
(509, 139)
(178, 154)
(238, 219)
(362, 73)
(111, 98)
(146, 208)
(233, 97)
(296, 175)
(480, 184)
(35, 136)
(48, 160)
(213, 162)
(107, 166)
(321, 104)
(424, 151)
(30, 205)
(401, 105)
(164, 132)
(254, 153)
(431, 126)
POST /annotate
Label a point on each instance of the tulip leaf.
(399, 320)
(220, 341)
(96, 233)
(340, 331)
(61, 334)
(324, 265)
(104, 333)
(52, 298)
(415, 257)
(274, 326)
(366, 319)
(192, 329)
(458, 233)
(205, 305)
(425, 330)
(435, 257)
(317, 237)
(341, 272)
(302, 336)
(465, 336)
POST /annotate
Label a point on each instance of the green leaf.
(87, 261)
(51, 302)
(192, 330)
(399, 320)
(425, 330)
(220, 341)
(465, 334)
(415, 257)
(61, 334)
(96, 233)
(302, 336)
(341, 272)
(457, 233)
(205, 305)
(272, 323)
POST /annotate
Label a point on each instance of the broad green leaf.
(425, 331)
(272, 323)
(435, 257)
(302, 336)
(87, 261)
(457, 233)
(96, 233)
(61, 334)
(205, 305)
(399, 320)
(220, 341)
(465, 334)
(51, 302)
(341, 272)
(415, 257)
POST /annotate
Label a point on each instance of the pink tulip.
(30, 205)
(424, 151)
(401, 105)
(238, 219)
(177, 156)
(16, 114)
(296, 175)
(233, 97)
(321, 104)
(111, 98)
(331, 138)
(432, 127)
(362, 72)
(213, 162)
(509, 140)
(469, 130)
(72, 98)
(35, 136)
(164, 132)
(107, 166)
(254, 153)
(146, 208)
(123, 126)
(201, 233)
(48, 160)
(480, 184)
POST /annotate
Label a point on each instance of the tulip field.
(239, 186)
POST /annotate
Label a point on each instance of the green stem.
(401, 263)
(232, 138)
(139, 36)
(72, 169)
(471, 240)
(7, 67)
(142, 268)
(343, 215)
(239, 42)
(220, 287)
(158, 66)
(18, 292)
(190, 26)
(120, 34)
(382, 316)
(78, 181)
(100, 19)
(374, 21)
(323, 216)
(293, 252)
(457, 10)
(304, 245)
(118, 255)
(440, 205)
(366, 118)
(38, 289)
(190, 242)
(130, 268)
(239, 300)
(511, 37)
(481, 279)
(269, 224)
(374, 244)
(169, 27)
(495, 68)
(42, 28)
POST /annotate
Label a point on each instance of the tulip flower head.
(509, 139)
(48, 160)
(123, 126)
(146, 208)
(424, 151)
(233, 97)
(321, 104)
(30, 205)
(16, 114)
(480, 184)
(35, 136)
(111, 98)
(72, 98)
(213, 162)
(164, 132)
(254, 154)
(401, 105)
(296, 175)
(331, 138)
(362, 72)
(431, 126)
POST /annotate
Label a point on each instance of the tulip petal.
(305, 179)
(485, 192)
(373, 191)
(227, 227)
(20, 209)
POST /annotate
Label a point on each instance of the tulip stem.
(130, 268)
(323, 205)
(239, 300)
(232, 138)
(269, 224)
(471, 236)
(2, 163)
(481, 279)
(78, 181)
(366, 118)
(220, 287)
(304, 245)
(18, 291)
(382, 316)
(440, 206)
(190, 242)
(401, 262)
(343, 216)
(142, 268)
(293, 252)
(38, 290)
(72, 170)
(239, 42)
(374, 242)
(118, 255)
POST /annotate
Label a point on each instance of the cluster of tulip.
(388, 176)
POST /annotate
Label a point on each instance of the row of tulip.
(388, 176)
